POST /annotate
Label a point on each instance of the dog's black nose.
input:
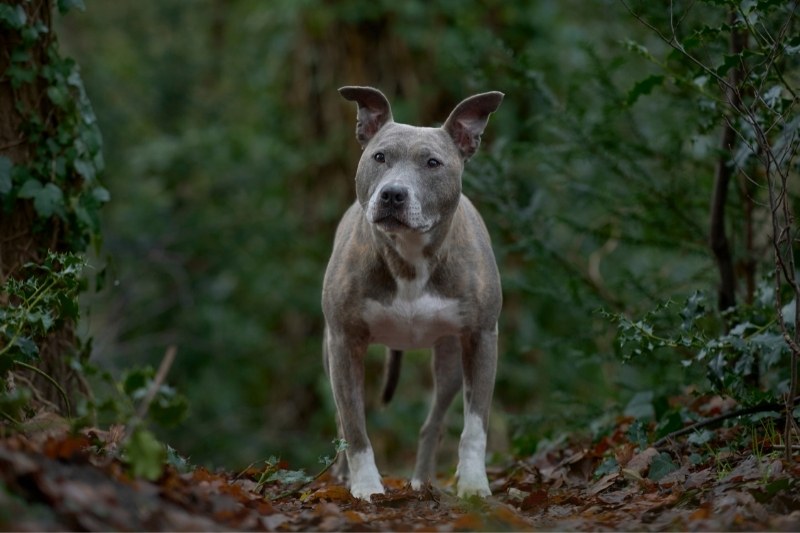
(394, 195)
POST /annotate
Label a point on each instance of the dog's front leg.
(479, 360)
(346, 366)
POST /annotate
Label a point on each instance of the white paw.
(473, 483)
(365, 490)
(471, 471)
(364, 477)
(416, 484)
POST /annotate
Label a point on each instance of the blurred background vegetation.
(230, 158)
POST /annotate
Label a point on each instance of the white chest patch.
(412, 323)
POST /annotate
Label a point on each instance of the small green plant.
(141, 396)
(37, 303)
(275, 471)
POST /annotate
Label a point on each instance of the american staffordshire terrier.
(412, 267)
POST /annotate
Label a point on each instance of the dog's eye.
(433, 163)
(379, 157)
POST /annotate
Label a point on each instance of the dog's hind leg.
(447, 382)
(480, 367)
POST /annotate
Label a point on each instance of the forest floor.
(53, 480)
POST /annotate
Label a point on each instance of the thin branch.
(50, 380)
(675, 44)
(760, 408)
(158, 380)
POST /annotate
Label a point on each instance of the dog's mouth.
(391, 223)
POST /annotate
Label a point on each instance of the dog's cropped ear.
(467, 121)
(373, 111)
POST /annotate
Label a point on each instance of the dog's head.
(409, 178)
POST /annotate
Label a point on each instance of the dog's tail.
(391, 374)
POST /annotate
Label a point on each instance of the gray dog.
(412, 267)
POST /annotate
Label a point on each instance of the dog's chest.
(414, 319)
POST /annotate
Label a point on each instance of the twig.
(771, 406)
(161, 374)
(53, 382)
(248, 467)
(11, 144)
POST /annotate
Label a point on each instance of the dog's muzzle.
(390, 211)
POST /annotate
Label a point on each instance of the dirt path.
(77, 483)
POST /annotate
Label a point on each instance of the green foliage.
(594, 177)
(62, 177)
(168, 408)
(661, 466)
(728, 359)
(275, 471)
(145, 454)
(38, 303)
(742, 79)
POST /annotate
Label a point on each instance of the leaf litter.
(54, 480)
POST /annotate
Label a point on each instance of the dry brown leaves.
(54, 481)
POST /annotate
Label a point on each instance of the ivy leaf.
(661, 466)
(30, 188)
(5, 174)
(20, 75)
(13, 17)
(145, 455)
(169, 409)
(85, 169)
(101, 194)
(289, 477)
(641, 406)
(66, 5)
(59, 96)
(608, 466)
(698, 438)
(48, 200)
(136, 381)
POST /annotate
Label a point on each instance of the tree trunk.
(718, 239)
(24, 236)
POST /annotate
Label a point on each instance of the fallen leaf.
(602, 484)
(468, 522)
(331, 493)
(614, 498)
(641, 461)
(698, 479)
(533, 500)
(274, 521)
(701, 513)
(355, 517)
(516, 494)
(508, 516)
(65, 448)
(624, 453)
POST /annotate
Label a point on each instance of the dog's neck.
(410, 256)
